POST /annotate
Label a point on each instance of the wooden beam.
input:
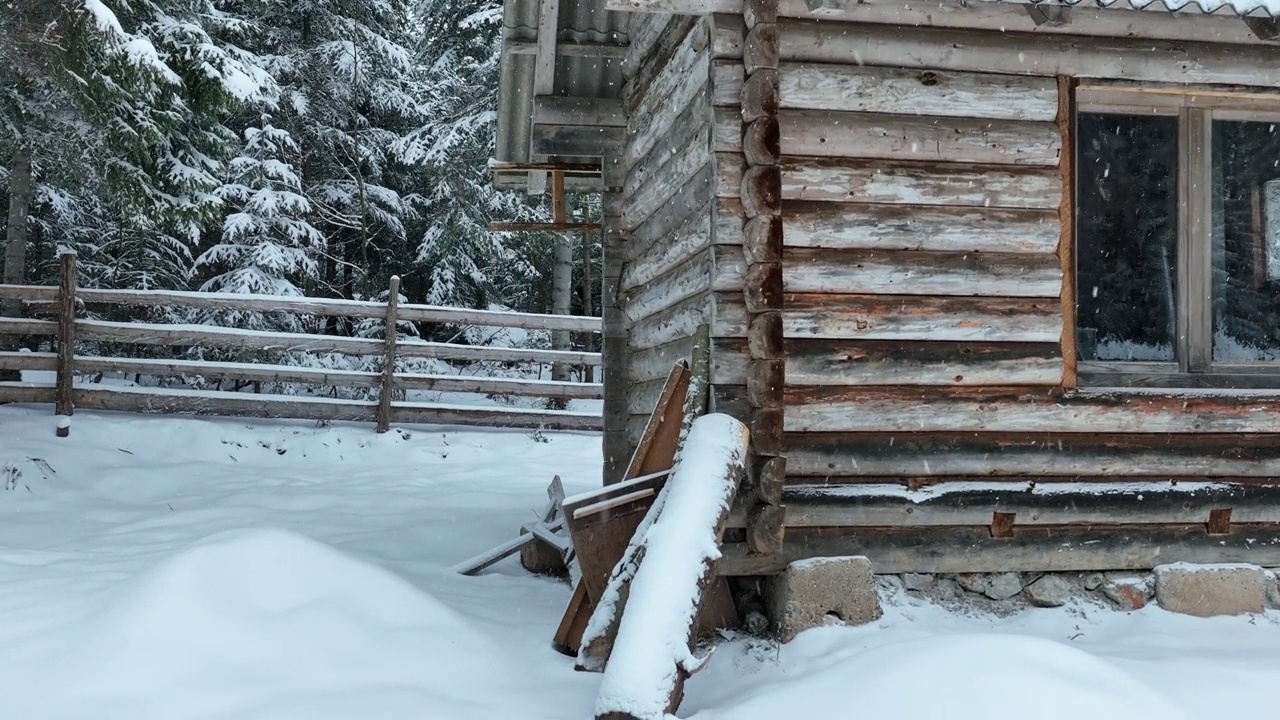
(577, 140)
(544, 74)
(1037, 549)
(975, 51)
(543, 227)
(567, 49)
(575, 110)
(566, 168)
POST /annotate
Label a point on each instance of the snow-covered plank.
(10, 360)
(501, 386)
(246, 372)
(656, 617)
(23, 326)
(29, 293)
(18, 392)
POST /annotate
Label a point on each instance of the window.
(1177, 236)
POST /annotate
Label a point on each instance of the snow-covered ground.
(181, 568)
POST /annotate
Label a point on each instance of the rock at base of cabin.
(1093, 581)
(1209, 590)
(1002, 586)
(541, 559)
(973, 582)
(917, 582)
(1128, 593)
(809, 593)
(1273, 589)
(1049, 591)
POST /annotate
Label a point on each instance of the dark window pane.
(1126, 237)
(1246, 246)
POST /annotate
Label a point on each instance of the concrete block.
(1209, 590)
(809, 592)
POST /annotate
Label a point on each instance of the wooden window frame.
(1196, 108)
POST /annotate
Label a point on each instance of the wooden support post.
(65, 382)
(389, 358)
(561, 279)
(1066, 242)
(761, 194)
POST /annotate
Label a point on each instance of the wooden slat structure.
(75, 384)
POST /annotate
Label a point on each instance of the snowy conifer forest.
(285, 147)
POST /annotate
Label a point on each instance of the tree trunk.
(21, 188)
(561, 281)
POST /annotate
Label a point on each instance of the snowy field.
(154, 568)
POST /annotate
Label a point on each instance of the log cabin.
(994, 285)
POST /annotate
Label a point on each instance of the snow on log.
(651, 656)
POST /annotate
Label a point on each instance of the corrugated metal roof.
(580, 21)
(1242, 8)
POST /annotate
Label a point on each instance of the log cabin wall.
(669, 274)
(927, 307)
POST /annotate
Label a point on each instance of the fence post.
(64, 384)
(389, 358)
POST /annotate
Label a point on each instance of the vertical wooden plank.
(389, 358)
(1259, 237)
(64, 384)
(544, 73)
(1196, 249)
(1067, 217)
(615, 337)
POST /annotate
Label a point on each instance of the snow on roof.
(1243, 8)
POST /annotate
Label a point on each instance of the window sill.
(1164, 378)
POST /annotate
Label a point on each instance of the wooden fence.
(65, 302)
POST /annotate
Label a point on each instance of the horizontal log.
(212, 336)
(1025, 410)
(407, 312)
(501, 386)
(1117, 20)
(178, 402)
(685, 164)
(498, 227)
(1037, 456)
(851, 226)
(244, 372)
(25, 393)
(27, 361)
(904, 317)
(821, 133)
(1029, 53)
(691, 278)
(974, 503)
(29, 293)
(672, 92)
(727, 77)
(862, 89)
(680, 320)
(921, 273)
(23, 326)
(650, 262)
(844, 362)
(1035, 549)
(842, 180)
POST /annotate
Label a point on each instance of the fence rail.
(389, 384)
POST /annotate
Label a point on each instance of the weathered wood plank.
(860, 88)
(692, 160)
(654, 60)
(921, 273)
(843, 180)
(12, 360)
(1025, 410)
(678, 321)
(209, 336)
(570, 110)
(852, 226)
(959, 550)
(671, 93)
(500, 386)
(645, 32)
(974, 51)
(821, 133)
(651, 262)
(728, 31)
(24, 326)
(903, 317)
(727, 77)
(692, 121)
(1038, 457)
(974, 503)
(842, 362)
(690, 198)
(25, 393)
(691, 278)
(577, 140)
